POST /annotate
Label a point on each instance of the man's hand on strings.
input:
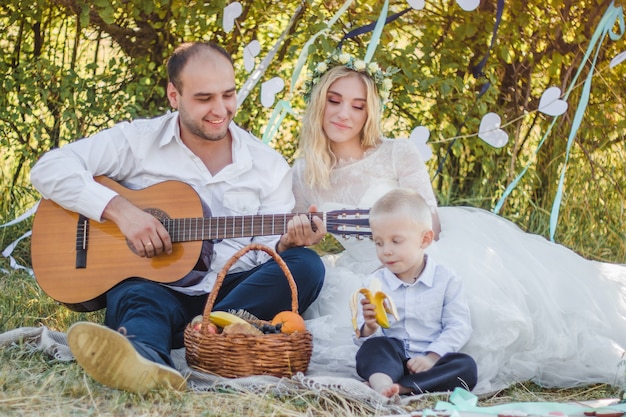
(144, 231)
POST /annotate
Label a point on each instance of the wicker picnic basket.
(240, 355)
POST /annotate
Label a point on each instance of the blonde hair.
(314, 146)
(404, 202)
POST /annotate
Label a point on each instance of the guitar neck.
(227, 227)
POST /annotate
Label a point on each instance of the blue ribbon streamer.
(281, 110)
(305, 49)
(612, 16)
(378, 29)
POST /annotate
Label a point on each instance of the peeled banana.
(383, 304)
(223, 318)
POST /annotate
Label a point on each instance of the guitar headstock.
(349, 223)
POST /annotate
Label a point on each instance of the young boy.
(418, 352)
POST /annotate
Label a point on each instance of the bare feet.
(390, 391)
(384, 385)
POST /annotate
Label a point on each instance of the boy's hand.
(422, 363)
(369, 315)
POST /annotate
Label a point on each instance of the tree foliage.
(72, 68)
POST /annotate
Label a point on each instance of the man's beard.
(196, 129)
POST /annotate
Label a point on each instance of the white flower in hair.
(381, 78)
(344, 58)
(322, 67)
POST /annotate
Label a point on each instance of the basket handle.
(220, 277)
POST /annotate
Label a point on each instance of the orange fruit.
(289, 321)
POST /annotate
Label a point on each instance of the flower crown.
(381, 77)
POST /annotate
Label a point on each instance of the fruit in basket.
(242, 328)
(212, 328)
(223, 318)
(289, 322)
(267, 328)
(196, 323)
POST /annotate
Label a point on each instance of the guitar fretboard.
(215, 228)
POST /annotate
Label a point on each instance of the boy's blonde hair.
(404, 202)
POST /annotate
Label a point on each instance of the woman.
(540, 312)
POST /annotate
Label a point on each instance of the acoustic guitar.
(77, 260)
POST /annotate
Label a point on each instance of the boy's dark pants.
(386, 355)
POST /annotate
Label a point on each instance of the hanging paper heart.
(619, 58)
(468, 5)
(249, 52)
(490, 131)
(269, 89)
(416, 4)
(419, 136)
(231, 12)
(550, 102)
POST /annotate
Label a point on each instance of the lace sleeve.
(301, 191)
(412, 171)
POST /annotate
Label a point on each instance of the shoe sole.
(109, 358)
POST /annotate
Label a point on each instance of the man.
(234, 174)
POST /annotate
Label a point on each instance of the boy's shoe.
(109, 358)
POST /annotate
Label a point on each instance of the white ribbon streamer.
(8, 251)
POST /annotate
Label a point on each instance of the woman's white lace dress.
(539, 311)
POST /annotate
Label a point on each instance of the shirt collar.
(171, 130)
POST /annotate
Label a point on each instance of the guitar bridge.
(82, 237)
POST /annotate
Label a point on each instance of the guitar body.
(109, 258)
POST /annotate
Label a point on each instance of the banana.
(383, 303)
(223, 318)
